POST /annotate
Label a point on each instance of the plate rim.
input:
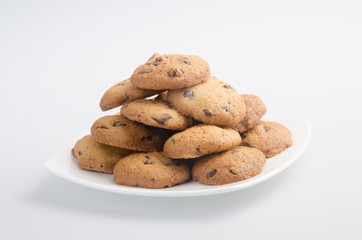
(135, 191)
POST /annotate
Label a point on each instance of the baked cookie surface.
(119, 131)
(237, 164)
(157, 113)
(150, 170)
(200, 140)
(212, 102)
(123, 92)
(97, 157)
(255, 109)
(171, 72)
(269, 137)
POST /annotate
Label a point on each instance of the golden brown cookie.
(237, 164)
(150, 170)
(212, 102)
(200, 140)
(123, 92)
(97, 157)
(171, 72)
(120, 132)
(269, 137)
(157, 113)
(255, 109)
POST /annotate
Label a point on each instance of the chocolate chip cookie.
(150, 170)
(255, 109)
(269, 137)
(171, 72)
(212, 102)
(120, 132)
(237, 164)
(200, 140)
(97, 157)
(123, 92)
(157, 113)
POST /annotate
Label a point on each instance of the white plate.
(64, 165)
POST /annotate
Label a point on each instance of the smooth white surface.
(303, 58)
(64, 165)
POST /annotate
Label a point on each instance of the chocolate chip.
(265, 129)
(146, 138)
(126, 96)
(163, 119)
(80, 153)
(169, 105)
(198, 149)
(173, 162)
(174, 72)
(189, 94)
(211, 173)
(232, 172)
(149, 160)
(227, 86)
(104, 127)
(186, 61)
(152, 179)
(207, 113)
(173, 140)
(119, 124)
(159, 59)
(144, 71)
(247, 119)
(226, 108)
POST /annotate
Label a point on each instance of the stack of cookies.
(178, 122)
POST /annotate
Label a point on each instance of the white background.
(303, 58)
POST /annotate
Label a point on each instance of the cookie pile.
(194, 126)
